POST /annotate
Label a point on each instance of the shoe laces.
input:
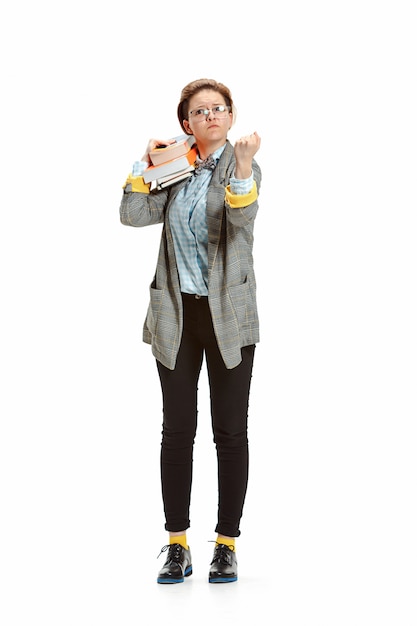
(222, 554)
(174, 552)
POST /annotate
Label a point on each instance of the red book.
(170, 167)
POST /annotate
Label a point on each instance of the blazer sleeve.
(141, 208)
(242, 209)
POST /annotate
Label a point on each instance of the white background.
(329, 529)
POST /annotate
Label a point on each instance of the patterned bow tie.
(207, 164)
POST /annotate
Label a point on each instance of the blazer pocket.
(243, 302)
(154, 308)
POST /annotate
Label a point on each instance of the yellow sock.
(227, 541)
(181, 539)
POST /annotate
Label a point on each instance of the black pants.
(229, 400)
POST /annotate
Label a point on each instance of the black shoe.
(177, 565)
(223, 566)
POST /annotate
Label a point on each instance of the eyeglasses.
(220, 111)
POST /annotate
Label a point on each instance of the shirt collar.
(216, 154)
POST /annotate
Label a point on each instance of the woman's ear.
(187, 127)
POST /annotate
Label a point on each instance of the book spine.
(174, 166)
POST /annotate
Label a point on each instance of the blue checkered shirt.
(187, 218)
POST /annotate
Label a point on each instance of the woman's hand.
(155, 143)
(245, 149)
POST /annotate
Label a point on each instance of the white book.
(173, 180)
(164, 179)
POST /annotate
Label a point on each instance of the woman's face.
(208, 129)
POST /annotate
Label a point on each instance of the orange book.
(182, 144)
(153, 172)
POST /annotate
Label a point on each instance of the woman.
(203, 303)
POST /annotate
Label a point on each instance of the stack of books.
(171, 163)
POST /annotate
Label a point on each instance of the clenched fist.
(245, 149)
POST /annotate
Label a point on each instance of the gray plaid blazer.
(231, 277)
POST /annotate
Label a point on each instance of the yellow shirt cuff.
(138, 184)
(238, 201)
